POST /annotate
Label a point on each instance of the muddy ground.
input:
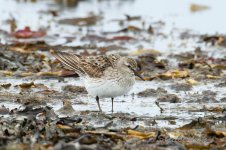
(181, 105)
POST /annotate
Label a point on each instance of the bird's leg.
(112, 101)
(97, 99)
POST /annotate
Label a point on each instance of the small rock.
(204, 97)
(209, 93)
(151, 92)
(172, 98)
(75, 89)
(181, 87)
(223, 99)
(67, 108)
(4, 110)
(6, 86)
(208, 97)
(223, 84)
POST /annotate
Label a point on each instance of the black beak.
(138, 75)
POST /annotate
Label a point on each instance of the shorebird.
(103, 76)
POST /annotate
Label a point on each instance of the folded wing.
(92, 66)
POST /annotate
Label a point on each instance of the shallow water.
(134, 105)
(177, 18)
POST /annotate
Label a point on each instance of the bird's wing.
(92, 66)
(70, 61)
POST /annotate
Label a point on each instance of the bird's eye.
(130, 67)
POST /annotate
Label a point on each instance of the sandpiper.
(103, 76)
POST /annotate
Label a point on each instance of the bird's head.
(131, 64)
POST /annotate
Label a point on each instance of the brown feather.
(92, 66)
(70, 61)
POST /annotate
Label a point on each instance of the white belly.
(108, 88)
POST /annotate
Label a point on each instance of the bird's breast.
(112, 85)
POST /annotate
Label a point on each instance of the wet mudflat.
(181, 105)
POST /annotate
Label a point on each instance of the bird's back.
(91, 66)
